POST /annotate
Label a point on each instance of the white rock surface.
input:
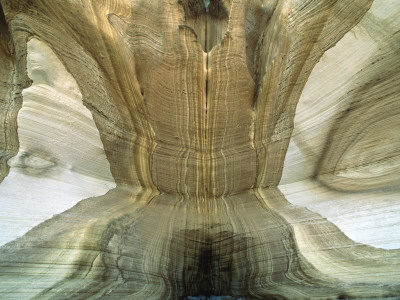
(321, 102)
(371, 217)
(61, 158)
(359, 193)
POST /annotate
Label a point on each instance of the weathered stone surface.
(61, 158)
(343, 159)
(240, 148)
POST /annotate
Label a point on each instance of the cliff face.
(177, 148)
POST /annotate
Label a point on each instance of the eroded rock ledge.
(217, 151)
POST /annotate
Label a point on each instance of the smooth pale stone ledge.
(386, 10)
(366, 215)
(324, 95)
(322, 101)
(371, 217)
(61, 158)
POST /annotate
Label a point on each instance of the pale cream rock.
(321, 102)
(359, 194)
(61, 158)
(371, 218)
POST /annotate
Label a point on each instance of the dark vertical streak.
(206, 50)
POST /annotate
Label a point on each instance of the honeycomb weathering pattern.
(200, 112)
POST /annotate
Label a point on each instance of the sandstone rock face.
(171, 149)
(61, 158)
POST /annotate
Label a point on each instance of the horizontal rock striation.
(61, 159)
(175, 149)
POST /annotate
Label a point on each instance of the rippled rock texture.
(171, 149)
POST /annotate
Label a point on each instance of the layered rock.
(236, 132)
(61, 159)
(343, 153)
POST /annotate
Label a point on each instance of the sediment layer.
(214, 150)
